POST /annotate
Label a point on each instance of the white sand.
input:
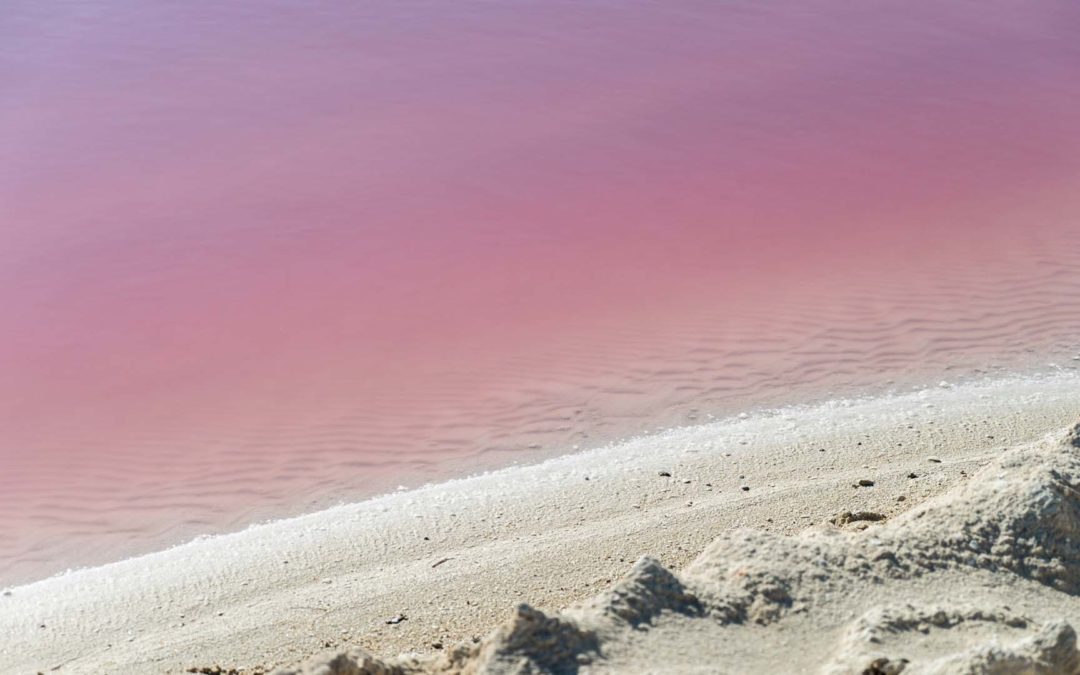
(456, 559)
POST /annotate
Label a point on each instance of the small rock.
(745, 488)
(664, 474)
(866, 482)
(901, 498)
(935, 460)
(849, 517)
(437, 645)
(884, 666)
(686, 481)
(912, 475)
(396, 619)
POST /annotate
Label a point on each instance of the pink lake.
(257, 258)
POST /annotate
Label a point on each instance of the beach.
(432, 572)
(411, 337)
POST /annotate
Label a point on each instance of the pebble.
(935, 460)
(912, 475)
(865, 482)
(396, 619)
(664, 474)
(859, 516)
(745, 488)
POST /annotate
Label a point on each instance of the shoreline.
(194, 523)
(799, 398)
(454, 558)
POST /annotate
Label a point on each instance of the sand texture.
(982, 579)
(936, 531)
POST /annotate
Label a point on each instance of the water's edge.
(1025, 391)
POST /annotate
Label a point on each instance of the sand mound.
(967, 640)
(952, 586)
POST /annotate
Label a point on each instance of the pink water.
(259, 257)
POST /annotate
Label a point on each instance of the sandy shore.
(434, 571)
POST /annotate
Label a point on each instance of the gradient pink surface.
(258, 257)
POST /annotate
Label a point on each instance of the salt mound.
(952, 586)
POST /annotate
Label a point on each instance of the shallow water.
(255, 259)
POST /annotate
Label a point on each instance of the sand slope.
(983, 579)
(455, 559)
